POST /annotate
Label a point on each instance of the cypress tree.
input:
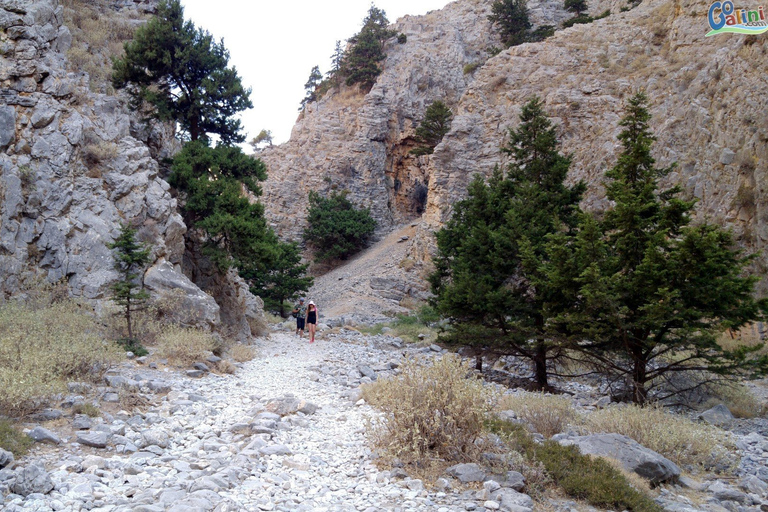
(434, 126)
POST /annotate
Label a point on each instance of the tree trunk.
(479, 362)
(639, 377)
(128, 319)
(540, 364)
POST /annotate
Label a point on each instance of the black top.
(312, 316)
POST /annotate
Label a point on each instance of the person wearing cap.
(300, 312)
(312, 316)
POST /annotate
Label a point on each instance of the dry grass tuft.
(678, 438)
(225, 366)
(46, 341)
(242, 353)
(547, 414)
(430, 412)
(739, 400)
(184, 346)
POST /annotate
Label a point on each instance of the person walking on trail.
(312, 316)
(300, 312)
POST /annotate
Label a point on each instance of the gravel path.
(215, 444)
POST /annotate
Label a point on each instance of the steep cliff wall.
(708, 97)
(75, 164)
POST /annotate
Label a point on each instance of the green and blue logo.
(723, 17)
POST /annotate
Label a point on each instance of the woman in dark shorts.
(312, 320)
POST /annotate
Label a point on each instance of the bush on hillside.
(335, 228)
(435, 411)
(546, 414)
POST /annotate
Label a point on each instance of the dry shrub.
(678, 438)
(547, 414)
(44, 342)
(430, 411)
(89, 410)
(14, 440)
(225, 366)
(184, 346)
(242, 353)
(738, 398)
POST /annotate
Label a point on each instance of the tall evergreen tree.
(511, 20)
(283, 279)
(484, 276)
(131, 259)
(335, 228)
(212, 182)
(181, 74)
(649, 292)
(434, 126)
(337, 60)
(315, 78)
(361, 63)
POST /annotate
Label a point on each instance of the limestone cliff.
(75, 164)
(707, 100)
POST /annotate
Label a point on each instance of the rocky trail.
(286, 433)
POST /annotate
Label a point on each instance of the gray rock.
(195, 374)
(154, 437)
(514, 480)
(367, 371)
(47, 415)
(6, 458)
(275, 449)
(7, 125)
(718, 415)
(201, 366)
(631, 454)
(466, 473)
(725, 492)
(81, 422)
(42, 116)
(754, 485)
(93, 439)
(512, 501)
(32, 479)
(727, 156)
(43, 435)
(290, 405)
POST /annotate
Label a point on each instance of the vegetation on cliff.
(131, 259)
(432, 129)
(336, 229)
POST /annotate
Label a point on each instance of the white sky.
(275, 43)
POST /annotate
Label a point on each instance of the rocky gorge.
(260, 441)
(76, 164)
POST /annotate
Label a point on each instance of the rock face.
(706, 96)
(75, 164)
(632, 455)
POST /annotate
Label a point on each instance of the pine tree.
(511, 19)
(315, 78)
(264, 137)
(212, 182)
(283, 279)
(337, 60)
(335, 228)
(181, 73)
(487, 253)
(576, 6)
(436, 123)
(131, 258)
(361, 63)
(649, 292)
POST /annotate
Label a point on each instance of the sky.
(275, 43)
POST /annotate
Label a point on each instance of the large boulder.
(718, 415)
(629, 453)
(197, 307)
(6, 458)
(32, 479)
(466, 473)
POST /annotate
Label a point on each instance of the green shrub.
(44, 342)
(336, 229)
(591, 478)
(402, 38)
(13, 440)
(578, 20)
(430, 411)
(471, 68)
(132, 345)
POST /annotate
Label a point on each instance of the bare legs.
(312, 328)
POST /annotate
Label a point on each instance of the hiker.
(312, 317)
(300, 313)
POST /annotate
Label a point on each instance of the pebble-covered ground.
(286, 432)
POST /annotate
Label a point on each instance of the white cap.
(311, 303)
